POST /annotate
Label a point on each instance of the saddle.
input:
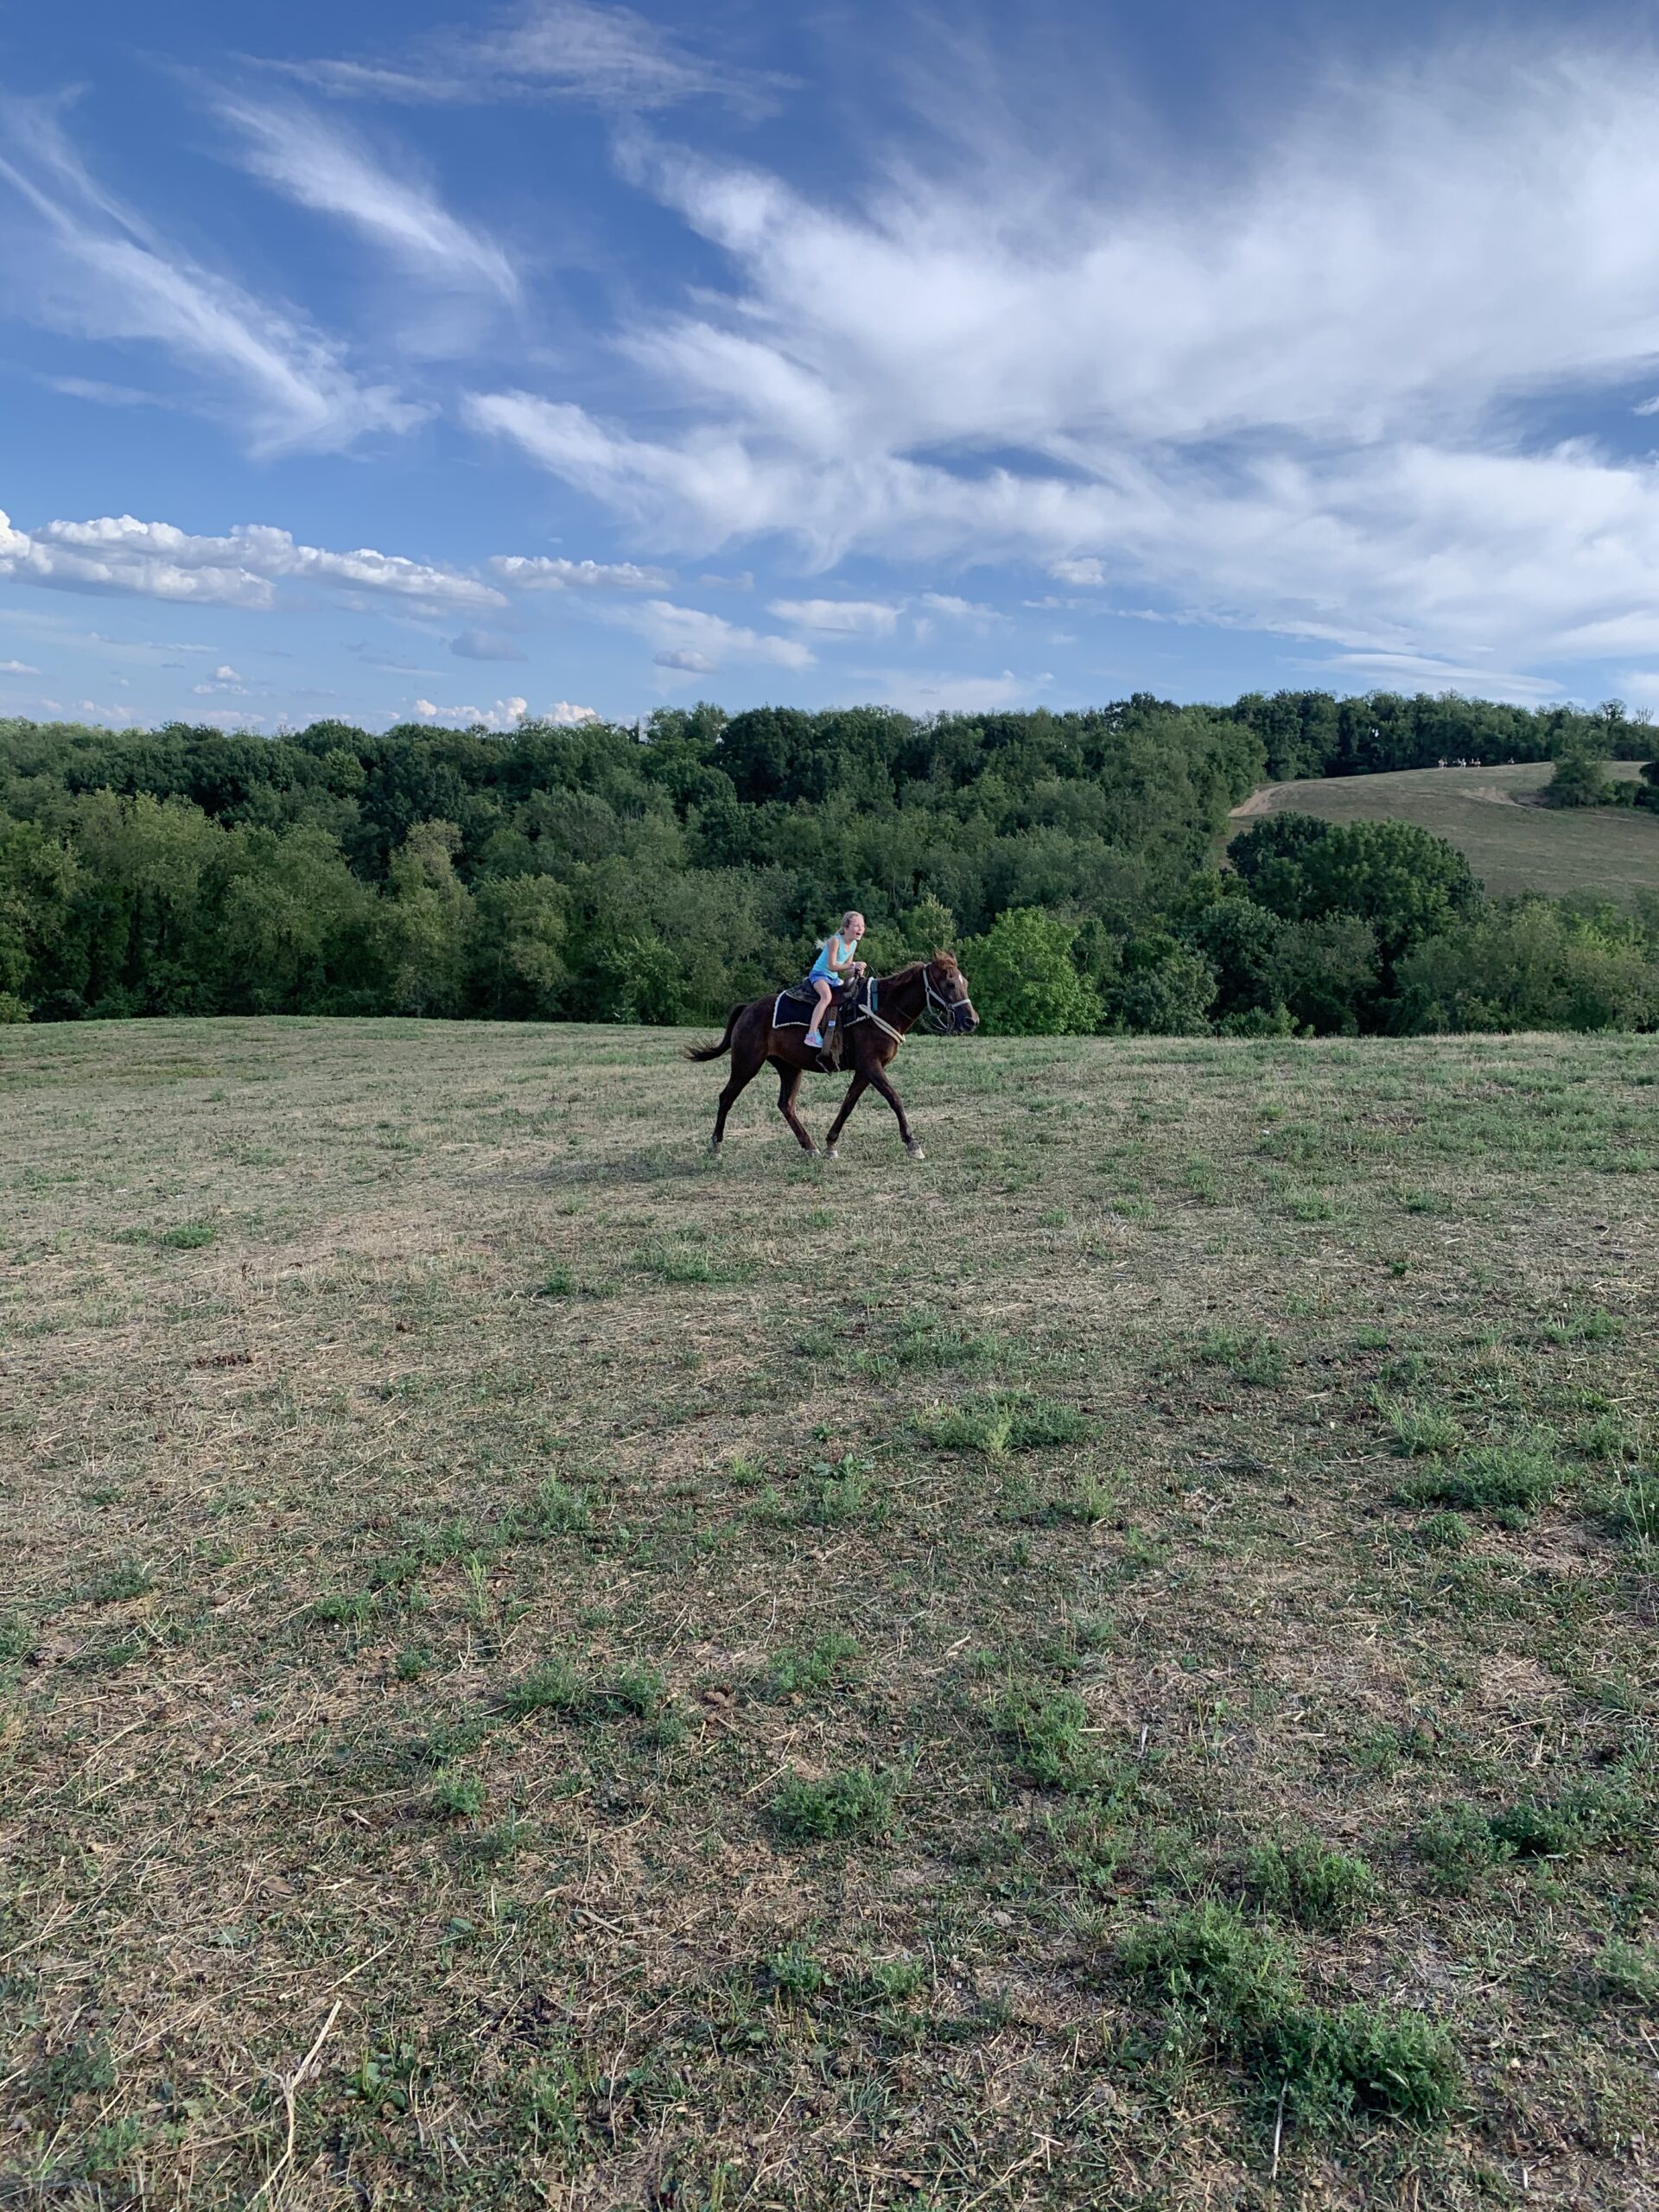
(792, 1009)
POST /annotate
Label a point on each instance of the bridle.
(940, 1016)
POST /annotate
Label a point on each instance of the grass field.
(1111, 1667)
(1512, 844)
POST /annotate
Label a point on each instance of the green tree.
(1163, 990)
(425, 922)
(1325, 974)
(1534, 966)
(1580, 779)
(1024, 982)
(1406, 883)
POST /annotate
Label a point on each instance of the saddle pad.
(794, 1009)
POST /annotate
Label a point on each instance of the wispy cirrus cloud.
(81, 261)
(839, 618)
(544, 49)
(1174, 377)
(320, 165)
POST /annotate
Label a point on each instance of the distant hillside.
(1493, 816)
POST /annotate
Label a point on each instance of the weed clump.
(1247, 1357)
(556, 1510)
(857, 1802)
(1511, 1482)
(1305, 1883)
(458, 1796)
(1418, 1430)
(1234, 1985)
(820, 1667)
(1046, 1729)
(795, 1971)
(1003, 1423)
(1628, 1972)
(1460, 1845)
(554, 1686)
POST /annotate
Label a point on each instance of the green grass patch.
(1002, 1424)
(1305, 1882)
(1511, 1481)
(854, 1803)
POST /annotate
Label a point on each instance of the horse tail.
(714, 1052)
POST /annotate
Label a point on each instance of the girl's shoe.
(815, 1040)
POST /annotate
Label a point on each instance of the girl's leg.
(815, 1034)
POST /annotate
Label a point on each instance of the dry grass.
(1491, 816)
(542, 1673)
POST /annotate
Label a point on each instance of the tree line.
(661, 873)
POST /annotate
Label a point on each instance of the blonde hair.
(852, 914)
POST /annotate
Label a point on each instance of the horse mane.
(914, 968)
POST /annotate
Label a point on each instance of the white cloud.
(958, 610)
(17, 668)
(839, 618)
(1285, 390)
(553, 48)
(119, 554)
(536, 572)
(687, 638)
(226, 674)
(324, 168)
(84, 263)
(567, 716)
(506, 715)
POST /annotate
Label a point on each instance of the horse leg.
(745, 1068)
(892, 1097)
(788, 1089)
(855, 1091)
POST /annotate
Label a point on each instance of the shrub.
(1024, 981)
(1534, 966)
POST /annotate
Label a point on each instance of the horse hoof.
(832, 1152)
(714, 1150)
(915, 1152)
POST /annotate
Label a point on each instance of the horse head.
(950, 1009)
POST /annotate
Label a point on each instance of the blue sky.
(424, 363)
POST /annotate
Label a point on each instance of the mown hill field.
(1491, 815)
(1110, 1667)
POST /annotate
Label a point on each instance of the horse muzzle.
(964, 1020)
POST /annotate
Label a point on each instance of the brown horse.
(934, 989)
